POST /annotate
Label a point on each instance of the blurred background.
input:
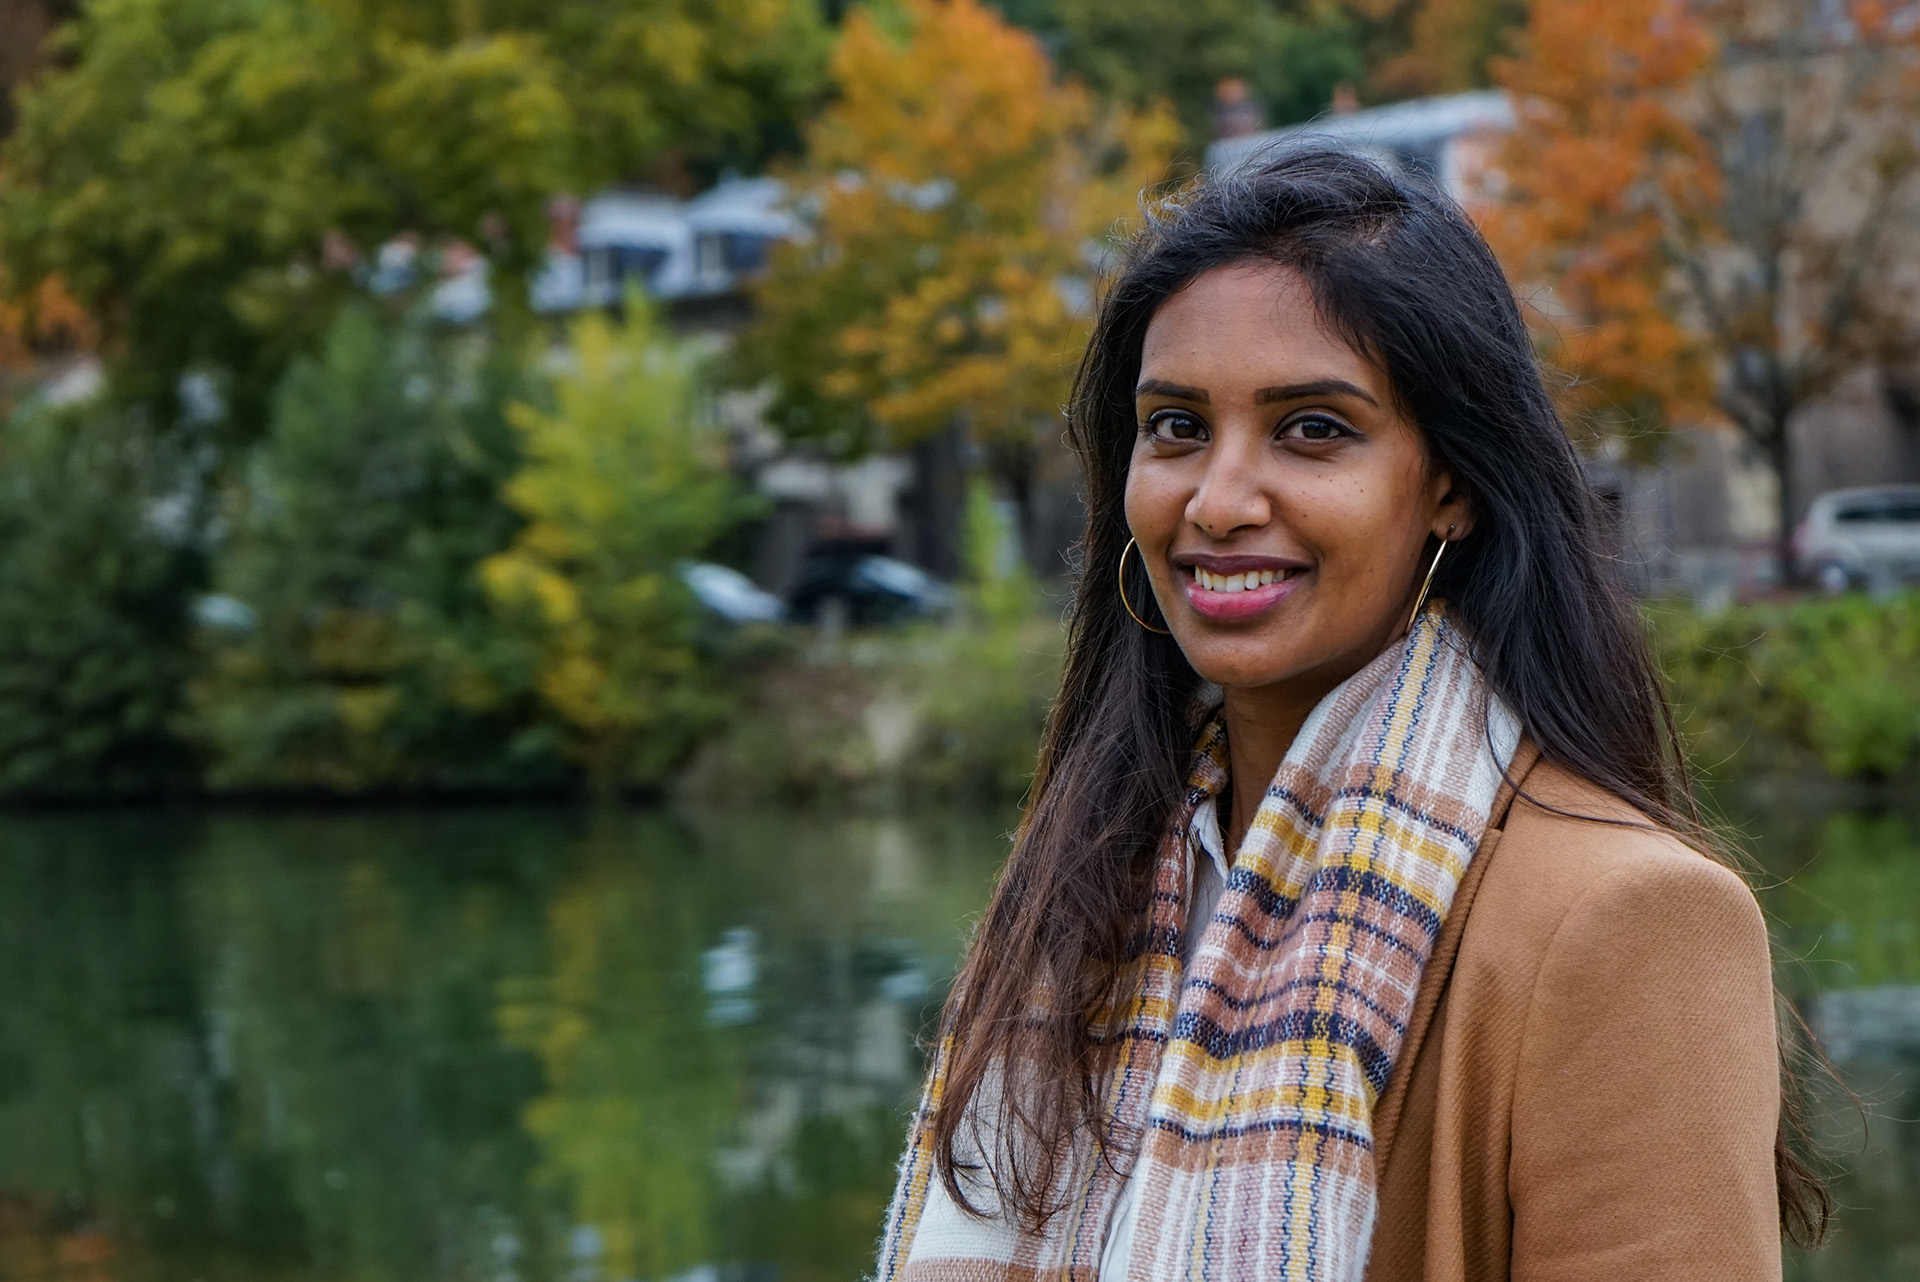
(533, 541)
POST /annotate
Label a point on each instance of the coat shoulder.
(1569, 849)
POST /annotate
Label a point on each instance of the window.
(1901, 508)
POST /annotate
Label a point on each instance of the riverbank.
(1823, 691)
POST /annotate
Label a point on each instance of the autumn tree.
(617, 485)
(1721, 196)
(197, 170)
(958, 197)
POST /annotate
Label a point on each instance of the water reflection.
(502, 1046)
(530, 1045)
(1845, 903)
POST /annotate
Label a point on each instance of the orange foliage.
(1716, 200)
(43, 321)
(1603, 160)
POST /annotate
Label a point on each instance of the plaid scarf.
(1252, 1075)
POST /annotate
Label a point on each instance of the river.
(494, 1045)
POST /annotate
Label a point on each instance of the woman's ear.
(1452, 508)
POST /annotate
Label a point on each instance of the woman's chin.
(1242, 669)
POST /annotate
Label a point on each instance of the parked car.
(866, 590)
(1860, 538)
(730, 594)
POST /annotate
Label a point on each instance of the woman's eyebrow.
(1320, 387)
(1178, 391)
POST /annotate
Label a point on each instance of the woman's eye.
(1174, 425)
(1315, 427)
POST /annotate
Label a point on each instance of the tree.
(186, 163)
(94, 584)
(1435, 46)
(619, 484)
(957, 197)
(367, 654)
(24, 25)
(1722, 195)
(1290, 53)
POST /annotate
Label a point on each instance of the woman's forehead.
(1248, 326)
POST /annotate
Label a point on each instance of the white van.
(1861, 538)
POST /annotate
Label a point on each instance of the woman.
(1354, 928)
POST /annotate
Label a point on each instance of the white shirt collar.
(1206, 829)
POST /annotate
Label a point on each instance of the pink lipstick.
(1230, 588)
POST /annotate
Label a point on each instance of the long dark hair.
(1398, 269)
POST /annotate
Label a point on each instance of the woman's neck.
(1261, 725)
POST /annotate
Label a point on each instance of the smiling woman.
(1281, 498)
(1359, 925)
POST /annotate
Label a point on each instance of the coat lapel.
(1433, 981)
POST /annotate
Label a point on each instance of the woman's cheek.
(1152, 505)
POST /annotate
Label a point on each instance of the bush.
(1766, 686)
(372, 659)
(96, 572)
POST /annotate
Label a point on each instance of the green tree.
(1418, 47)
(194, 167)
(95, 575)
(1290, 53)
(619, 483)
(373, 658)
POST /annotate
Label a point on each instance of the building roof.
(745, 207)
(1406, 133)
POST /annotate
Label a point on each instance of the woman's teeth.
(1237, 582)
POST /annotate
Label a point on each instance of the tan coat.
(1590, 1083)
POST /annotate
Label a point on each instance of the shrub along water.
(1832, 682)
(361, 651)
(97, 566)
(948, 710)
(450, 569)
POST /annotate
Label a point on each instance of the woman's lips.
(1237, 596)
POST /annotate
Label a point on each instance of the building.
(677, 251)
(1447, 138)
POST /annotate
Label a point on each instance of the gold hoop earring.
(1428, 584)
(1127, 605)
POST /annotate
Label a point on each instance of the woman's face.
(1281, 498)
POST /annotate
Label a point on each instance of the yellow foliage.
(959, 195)
(618, 485)
(365, 709)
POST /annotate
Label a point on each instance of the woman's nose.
(1230, 496)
